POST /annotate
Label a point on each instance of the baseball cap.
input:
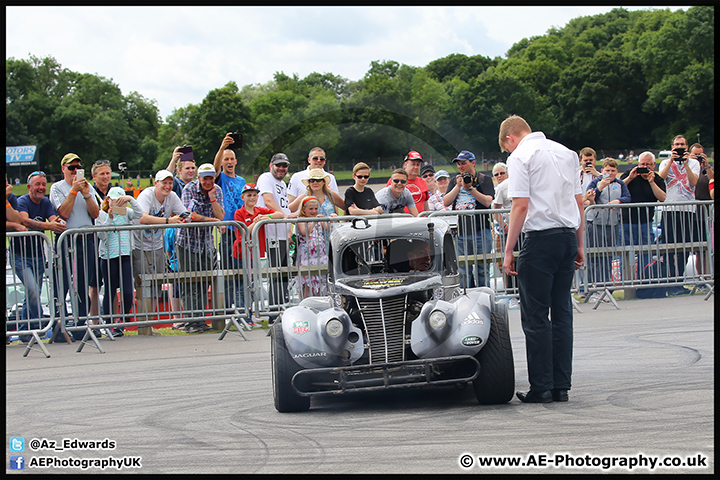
(427, 168)
(464, 155)
(116, 192)
(206, 170)
(162, 175)
(250, 187)
(413, 155)
(440, 174)
(69, 158)
(279, 158)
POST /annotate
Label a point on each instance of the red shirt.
(242, 215)
(419, 191)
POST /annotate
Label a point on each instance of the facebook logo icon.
(17, 462)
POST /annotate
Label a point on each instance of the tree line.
(615, 81)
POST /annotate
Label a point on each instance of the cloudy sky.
(175, 55)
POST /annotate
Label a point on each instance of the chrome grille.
(384, 320)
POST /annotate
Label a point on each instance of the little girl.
(115, 250)
(312, 248)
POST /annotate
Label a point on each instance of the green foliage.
(620, 80)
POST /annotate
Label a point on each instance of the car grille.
(384, 320)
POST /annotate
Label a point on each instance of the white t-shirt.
(678, 188)
(267, 183)
(153, 238)
(545, 172)
(79, 216)
(296, 187)
(501, 195)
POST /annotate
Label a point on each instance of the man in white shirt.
(547, 205)
(273, 195)
(74, 199)
(316, 159)
(679, 222)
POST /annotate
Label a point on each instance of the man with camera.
(472, 190)
(680, 222)
(645, 186)
(702, 192)
(74, 200)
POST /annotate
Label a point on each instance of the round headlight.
(334, 327)
(437, 319)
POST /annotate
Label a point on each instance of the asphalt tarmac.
(643, 392)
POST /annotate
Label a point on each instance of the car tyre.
(283, 369)
(496, 382)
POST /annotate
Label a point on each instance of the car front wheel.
(496, 382)
(283, 369)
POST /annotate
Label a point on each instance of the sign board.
(20, 156)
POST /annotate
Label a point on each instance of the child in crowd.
(359, 198)
(312, 248)
(250, 214)
(115, 250)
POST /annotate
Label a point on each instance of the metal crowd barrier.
(29, 288)
(621, 257)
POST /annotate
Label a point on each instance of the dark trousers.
(546, 267)
(117, 273)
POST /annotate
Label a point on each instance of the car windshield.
(387, 256)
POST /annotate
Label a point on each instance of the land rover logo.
(471, 341)
(300, 327)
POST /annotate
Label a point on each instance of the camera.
(467, 178)
(186, 153)
(588, 164)
(237, 140)
(643, 170)
(680, 152)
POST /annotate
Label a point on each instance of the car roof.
(395, 226)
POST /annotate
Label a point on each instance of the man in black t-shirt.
(645, 186)
(474, 231)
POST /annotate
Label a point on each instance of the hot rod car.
(395, 317)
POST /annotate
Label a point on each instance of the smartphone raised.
(79, 174)
(119, 210)
(237, 140)
(186, 153)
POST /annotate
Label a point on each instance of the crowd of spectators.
(214, 192)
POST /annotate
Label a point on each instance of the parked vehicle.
(395, 317)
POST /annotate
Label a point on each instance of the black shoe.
(117, 332)
(559, 395)
(543, 396)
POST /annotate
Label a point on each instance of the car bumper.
(383, 376)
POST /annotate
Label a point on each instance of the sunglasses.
(73, 167)
(362, 176)
(428, 175)
(398, 180)
(101, 163)
(499, 173)
(36, 172)
(282, 165)
(314, 180)
(322, 159)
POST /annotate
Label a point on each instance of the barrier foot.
(606, 293)
(89, 333)
(233, 321)
(576, 304)
(33, 340)
(710, 293)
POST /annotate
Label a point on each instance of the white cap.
(206, 170)
(162, 175)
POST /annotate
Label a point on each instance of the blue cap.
(464, 155)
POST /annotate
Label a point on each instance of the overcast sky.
(175, 55)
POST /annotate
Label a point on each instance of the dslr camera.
(680, 152)
(467, 178)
